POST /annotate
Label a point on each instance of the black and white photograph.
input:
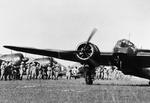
(74, 51)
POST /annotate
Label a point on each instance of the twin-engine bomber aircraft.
(129, 59)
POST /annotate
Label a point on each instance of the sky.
(63, 24)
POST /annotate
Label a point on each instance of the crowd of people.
(101, 73)
(72, 72)
(109, 73)
(31, 70)
(35, 70)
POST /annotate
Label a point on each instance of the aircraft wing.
(60, 54)
(105, 58)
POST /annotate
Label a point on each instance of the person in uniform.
(105, 73)
(98, 72)
(37, 70)
(68, 73)
(28, 71)
(56, 70)
(33, 70)
(2, 70)
(40, 71)
(49, 70)
(21, 69)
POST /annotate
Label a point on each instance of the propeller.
(92, 33)
(86, 47)
(85, 50)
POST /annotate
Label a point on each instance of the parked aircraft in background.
(45, 61)
(129, 59)
(15, 58)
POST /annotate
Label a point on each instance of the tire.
(88, 78)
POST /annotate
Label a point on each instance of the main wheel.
(88, 77)
(149, 82)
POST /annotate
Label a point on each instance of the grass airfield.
(74, 91)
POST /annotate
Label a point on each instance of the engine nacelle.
(87, 51)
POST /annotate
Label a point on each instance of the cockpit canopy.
(124, 43)
(124, 46)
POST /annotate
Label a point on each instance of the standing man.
(57, 70)
(68, 73)
(2, 69)
(49, 70)
(37, 70)
(33, 70)
(21, 69)
(28, 71)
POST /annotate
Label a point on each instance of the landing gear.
(88, 79)
(89, 75)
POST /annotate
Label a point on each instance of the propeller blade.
(92, 33)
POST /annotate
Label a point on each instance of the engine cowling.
(87, 51)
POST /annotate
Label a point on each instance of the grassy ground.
(74, 91)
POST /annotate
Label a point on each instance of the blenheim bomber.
(125, 56)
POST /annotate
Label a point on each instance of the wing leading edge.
(60, 54)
